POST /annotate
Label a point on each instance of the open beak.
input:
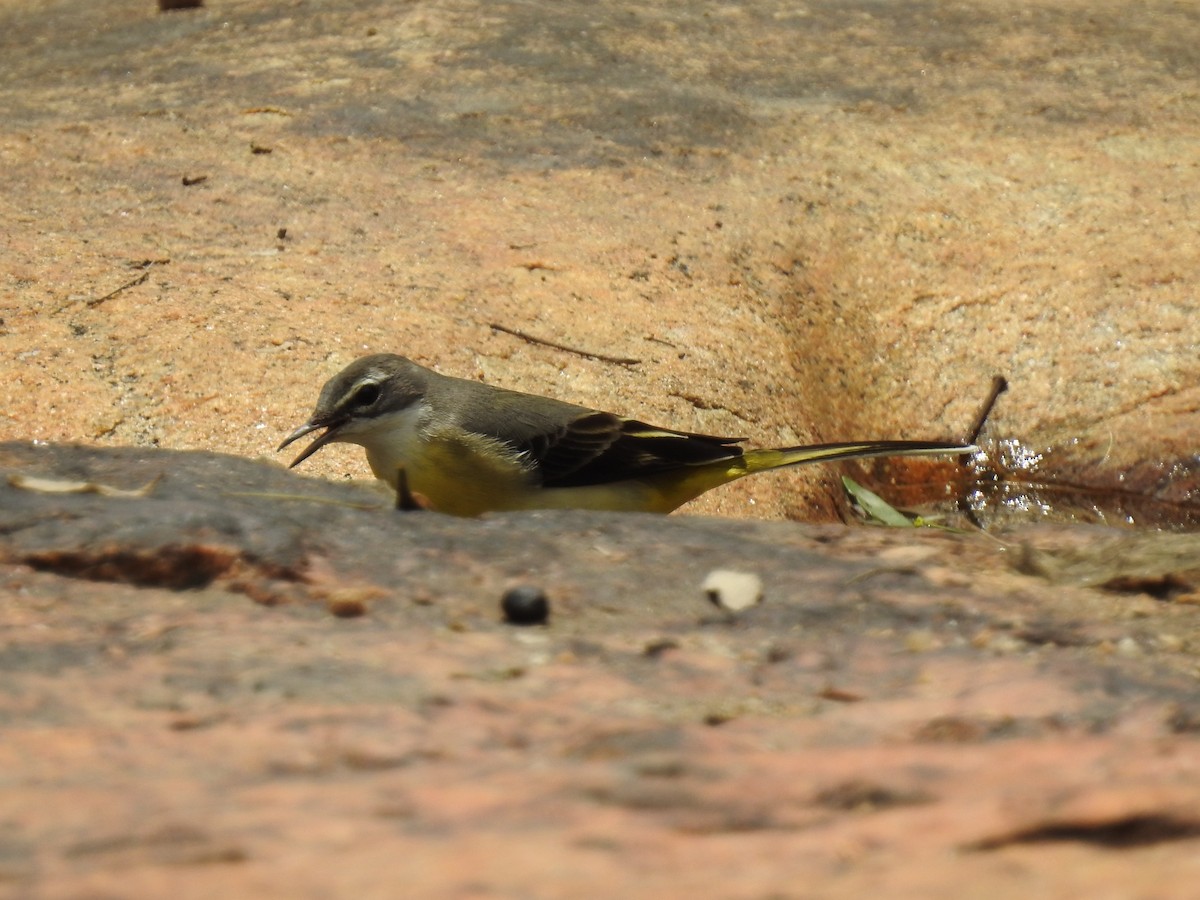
(309, 427)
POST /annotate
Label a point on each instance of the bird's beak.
(309, 427)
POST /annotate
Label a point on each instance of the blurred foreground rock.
(250, 683)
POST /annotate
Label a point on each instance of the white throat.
(392, 441)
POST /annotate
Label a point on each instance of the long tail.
(674, 488)
(762, 460)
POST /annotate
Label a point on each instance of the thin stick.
(618, 360)
(96, 301)
(999, 386)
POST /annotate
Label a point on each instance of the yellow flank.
(456, 476)
(459, 479)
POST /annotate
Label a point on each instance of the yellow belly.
(454, 478)
(466, 480)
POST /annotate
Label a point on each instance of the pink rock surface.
(819, 222)
(905, 712)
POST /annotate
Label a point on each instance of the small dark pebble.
(525, 605)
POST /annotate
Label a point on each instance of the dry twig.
(617, 360)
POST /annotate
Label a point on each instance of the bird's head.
(360, 399)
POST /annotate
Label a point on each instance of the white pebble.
(731, 590)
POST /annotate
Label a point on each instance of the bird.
(465, 448)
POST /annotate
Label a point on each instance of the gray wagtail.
(467, 447)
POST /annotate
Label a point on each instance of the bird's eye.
(366, 395)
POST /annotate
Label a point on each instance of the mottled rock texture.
(804, 221)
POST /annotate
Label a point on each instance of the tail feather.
(670, 489)
(762, 460)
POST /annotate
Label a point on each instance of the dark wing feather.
(560, 454)
(598, 448)
(566, 445)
